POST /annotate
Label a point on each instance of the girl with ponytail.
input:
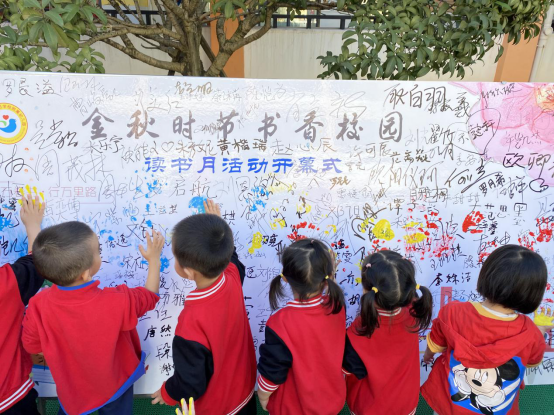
(301, 358)
(381, 359)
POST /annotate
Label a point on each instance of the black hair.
(308, 266)
(61, 253)
(203, 242)
(514, 277)
(393, 277)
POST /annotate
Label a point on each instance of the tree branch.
(211, 56)
(139, 12)
(220, 32)
(115, 5)
(131, 51)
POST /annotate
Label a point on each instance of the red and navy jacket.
(213, 349)
(18, 283)
(301, 359)
(382, 372)
(483, 360)
(89, 339)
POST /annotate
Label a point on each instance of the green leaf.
(54, 17)
(87, 13)
(348, 34)
(500, 52)
(36, 31)
(340, 4)
(420, 57)
(423, 71)
(45, 3)
(51, 37)
(229, 11)
(389, 69)
(86, 53)
(100, 55)
(349, 42)
(71, 11)
(5, 40)
(10, 33)
(102, 15)
(504, 6)
(443, 8)
(32, 3)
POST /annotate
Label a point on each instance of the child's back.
(382, 349)
(214, 325)
(88, 335)
(89, 340)
(388, 381)
(213, 349)
(494, 350)
(301, 359)
(486, 346)
(310, 340)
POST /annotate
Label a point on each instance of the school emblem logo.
(13, 124)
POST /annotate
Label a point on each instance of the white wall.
(545, 71)
(292, 54)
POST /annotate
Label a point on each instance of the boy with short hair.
(18, 283)
(213, 350)
(88, 335)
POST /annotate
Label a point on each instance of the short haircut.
(61, 253)
(514, 277)
(203, 242)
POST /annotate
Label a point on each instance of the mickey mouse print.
(490, 391)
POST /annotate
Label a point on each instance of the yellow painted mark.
(28, 189)
(278, 222)
(383, 230)
(358, 280)
(413, 224)
(280, 188)
(415, 238)
(256, 242)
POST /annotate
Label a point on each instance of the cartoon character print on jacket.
(490, 391)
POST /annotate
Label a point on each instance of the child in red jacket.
(18, 283)
(301, 358)
(381, 358)
(487, 346)
(88, 335)
(213, 349)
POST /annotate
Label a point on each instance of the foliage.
(406, 39)
(396, 39)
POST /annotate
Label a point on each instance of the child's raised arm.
(29, 281)
(152, 255)
(210, 207)
(32, 213)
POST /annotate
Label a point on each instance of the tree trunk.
(193, 32)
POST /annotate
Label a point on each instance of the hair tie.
(375, 289)
(368, 265)
(417, 287)
(281, 275)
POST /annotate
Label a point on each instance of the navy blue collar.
(76, 287)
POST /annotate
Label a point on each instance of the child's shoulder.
(456, 310)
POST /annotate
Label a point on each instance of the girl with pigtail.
(381, 359)
(301, 358)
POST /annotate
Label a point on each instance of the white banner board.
(443, 173)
